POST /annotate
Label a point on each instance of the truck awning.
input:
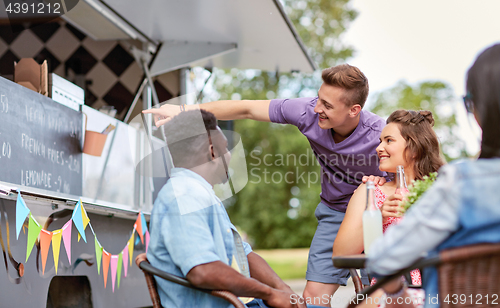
(240, 34)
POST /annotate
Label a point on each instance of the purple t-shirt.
(343, 164)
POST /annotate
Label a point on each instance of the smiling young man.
(343, 138)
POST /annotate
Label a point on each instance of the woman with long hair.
(407, 140)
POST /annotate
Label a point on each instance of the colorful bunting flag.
(33, 230)
(85, 219)
(98, 254)
(45, 238)
(21, 212)
(81, 220)
(106, 256)
(125, 260)
(66, 235)
(114, 265)
(119, 270)
(56, 246)
(131, 248)
(143, 221)
(138, 228)
(78, 220)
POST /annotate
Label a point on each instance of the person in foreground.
(407, 140)
(343, 138)
(191, 234)
(463, 205)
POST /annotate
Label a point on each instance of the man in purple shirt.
(343, 138)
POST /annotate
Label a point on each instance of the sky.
(422, 40)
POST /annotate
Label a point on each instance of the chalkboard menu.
(39, 141)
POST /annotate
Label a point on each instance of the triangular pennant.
(21, 212)
(85, 219)
(76, 209)
(138, 227)
(106, 256)
(56, 246)
(125, 260)
(78, 220)
(114, 265)
(131, 248)
(119, 269)
(45, 238)
(98, 255)
(144, 225)
(33, 230)
(66, 235)
(147, 240)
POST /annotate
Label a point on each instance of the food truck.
(75, 193)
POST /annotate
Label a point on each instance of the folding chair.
(358, 284)
(149, 271)
(472, 271)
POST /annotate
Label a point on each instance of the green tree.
(319, 24)
(435, 96)
(276, 208)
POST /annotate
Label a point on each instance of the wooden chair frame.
(472, 270)
(149, 271)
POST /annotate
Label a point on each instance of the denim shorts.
(320, 265)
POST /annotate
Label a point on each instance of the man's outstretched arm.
(223, 110)
(219, 276)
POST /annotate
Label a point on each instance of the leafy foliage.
(418, 189)
(320, 23)
(282, 172)
(435, 96)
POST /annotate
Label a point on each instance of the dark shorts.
(320, 266)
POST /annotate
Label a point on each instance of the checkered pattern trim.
(105, 69)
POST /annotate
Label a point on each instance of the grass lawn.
(287, 263)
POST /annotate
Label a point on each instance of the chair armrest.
(146, 267)
(421, 263)
(350, 261)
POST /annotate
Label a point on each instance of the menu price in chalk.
(44, 180)
(35, 147)
(39, 141)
